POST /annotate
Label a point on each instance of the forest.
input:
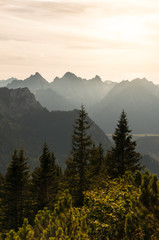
(100, 195)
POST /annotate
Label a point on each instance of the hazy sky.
(116, 39)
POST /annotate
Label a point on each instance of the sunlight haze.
(117, 40)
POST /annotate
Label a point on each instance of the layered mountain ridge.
(24, 122)
(71, 91)
(104, 102)
(138, 98)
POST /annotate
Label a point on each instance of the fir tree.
(123, 156)
(15, 199)
(77, 163)
(45, 180)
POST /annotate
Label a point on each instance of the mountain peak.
(142, 82)
(71, 76)
(139, 80)
(35, 76)
(96, 79)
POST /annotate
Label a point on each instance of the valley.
(103, 100)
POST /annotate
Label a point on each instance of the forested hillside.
(97, 197)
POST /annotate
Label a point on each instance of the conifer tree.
(1, 201)
(46, 180)
(96, 161)
(15, 199)
(123, 156)
(77, 163)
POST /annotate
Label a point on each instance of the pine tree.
(77, 163)
(123, 156)
(15, 199)
(45, 180)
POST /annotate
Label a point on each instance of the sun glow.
(121, 28)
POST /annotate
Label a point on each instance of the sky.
(115, 39)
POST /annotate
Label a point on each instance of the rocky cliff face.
(16, 102)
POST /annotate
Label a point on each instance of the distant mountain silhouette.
(24, 122)
(139, 99)
(4, 83)
(65, 93)
(34, 83)
(148, 146)
(104, 101)
(81, 91)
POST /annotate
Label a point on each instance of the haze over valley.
(103, 100)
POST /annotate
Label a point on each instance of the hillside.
(24, 122)
(148, 147)
(138, 98)
(54, 101)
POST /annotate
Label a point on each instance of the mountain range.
(64, 93)
(138, 98)
(24, 122)
(104, 101)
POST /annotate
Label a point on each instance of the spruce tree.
(15, 199)
(77, 163)
(45, 180)
(123, 157)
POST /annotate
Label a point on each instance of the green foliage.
(129, 227)
(65, 222)
(115, 210)
(11, 235)
(107, 208)
(26, 232)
